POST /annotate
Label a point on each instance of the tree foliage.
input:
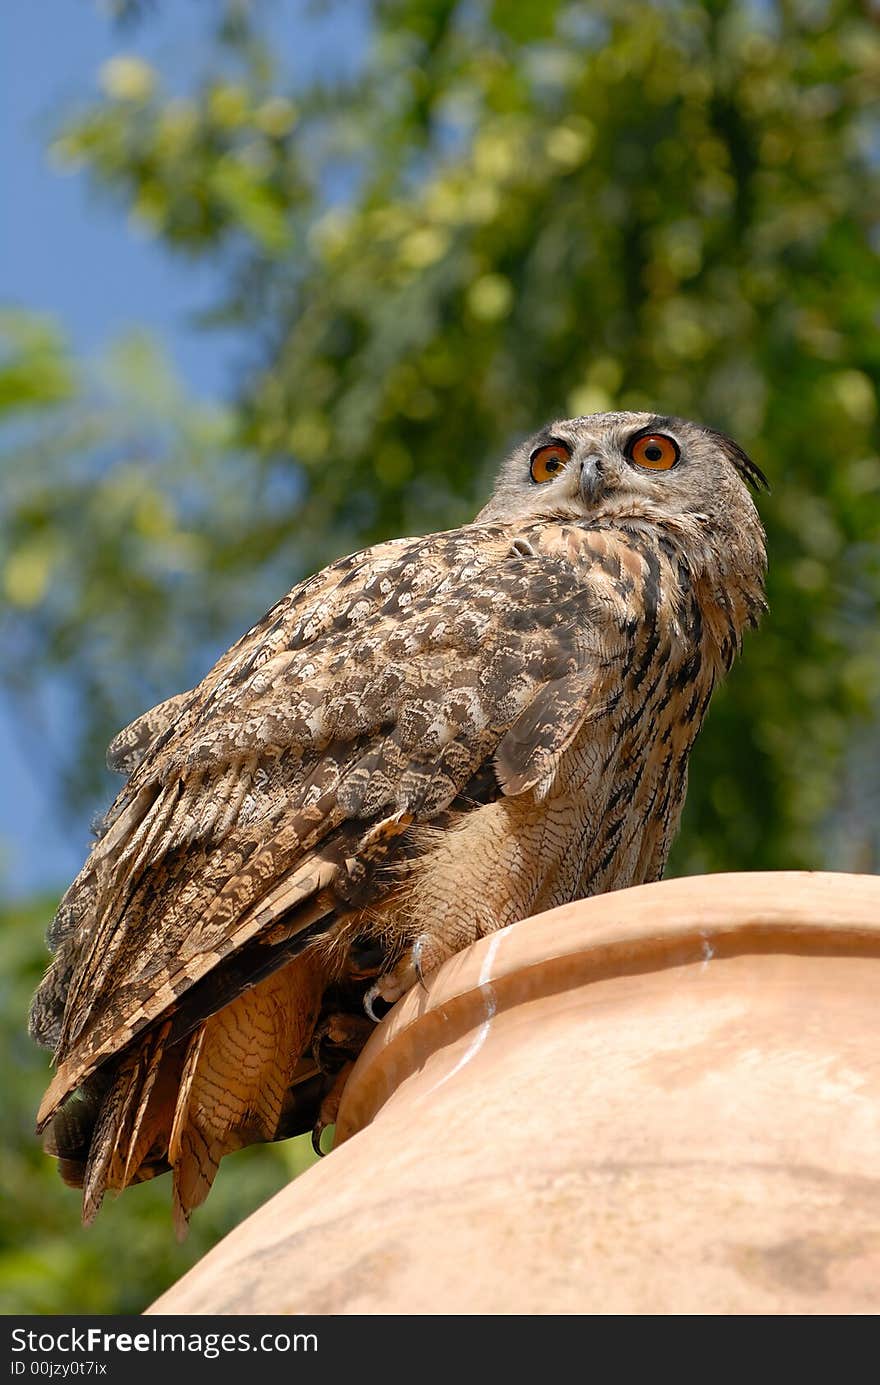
(508, 211)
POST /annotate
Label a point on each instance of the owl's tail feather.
(185, 1105)
(128, 1143)
(108, 1134)
(239, 1067)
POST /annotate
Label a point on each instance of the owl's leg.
(466, 887)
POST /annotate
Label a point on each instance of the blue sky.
(73, 254)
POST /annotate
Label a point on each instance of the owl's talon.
(417, 950)
(372, 995)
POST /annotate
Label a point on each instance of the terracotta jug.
(663, 1100)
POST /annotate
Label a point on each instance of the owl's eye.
(655, 451)
(548, 461)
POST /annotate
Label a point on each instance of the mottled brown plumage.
(424, 742)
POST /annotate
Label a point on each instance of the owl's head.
(630, 466)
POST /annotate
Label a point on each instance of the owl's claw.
(418, 950)
(372, 995)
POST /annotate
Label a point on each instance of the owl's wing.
(367, 700)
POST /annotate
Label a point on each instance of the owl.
(424, 742)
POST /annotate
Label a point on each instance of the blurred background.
(283, 277)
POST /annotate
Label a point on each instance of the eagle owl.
(426, 741)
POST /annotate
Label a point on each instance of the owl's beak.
(592, 479)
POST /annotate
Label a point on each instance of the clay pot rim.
(643, 928)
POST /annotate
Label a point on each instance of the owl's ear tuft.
(751, 474)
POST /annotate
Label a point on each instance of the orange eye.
(548, 461)
(655, 451)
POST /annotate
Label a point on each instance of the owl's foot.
(390, 987)
(338, 1038)
(425, 956)
(330, 1108)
